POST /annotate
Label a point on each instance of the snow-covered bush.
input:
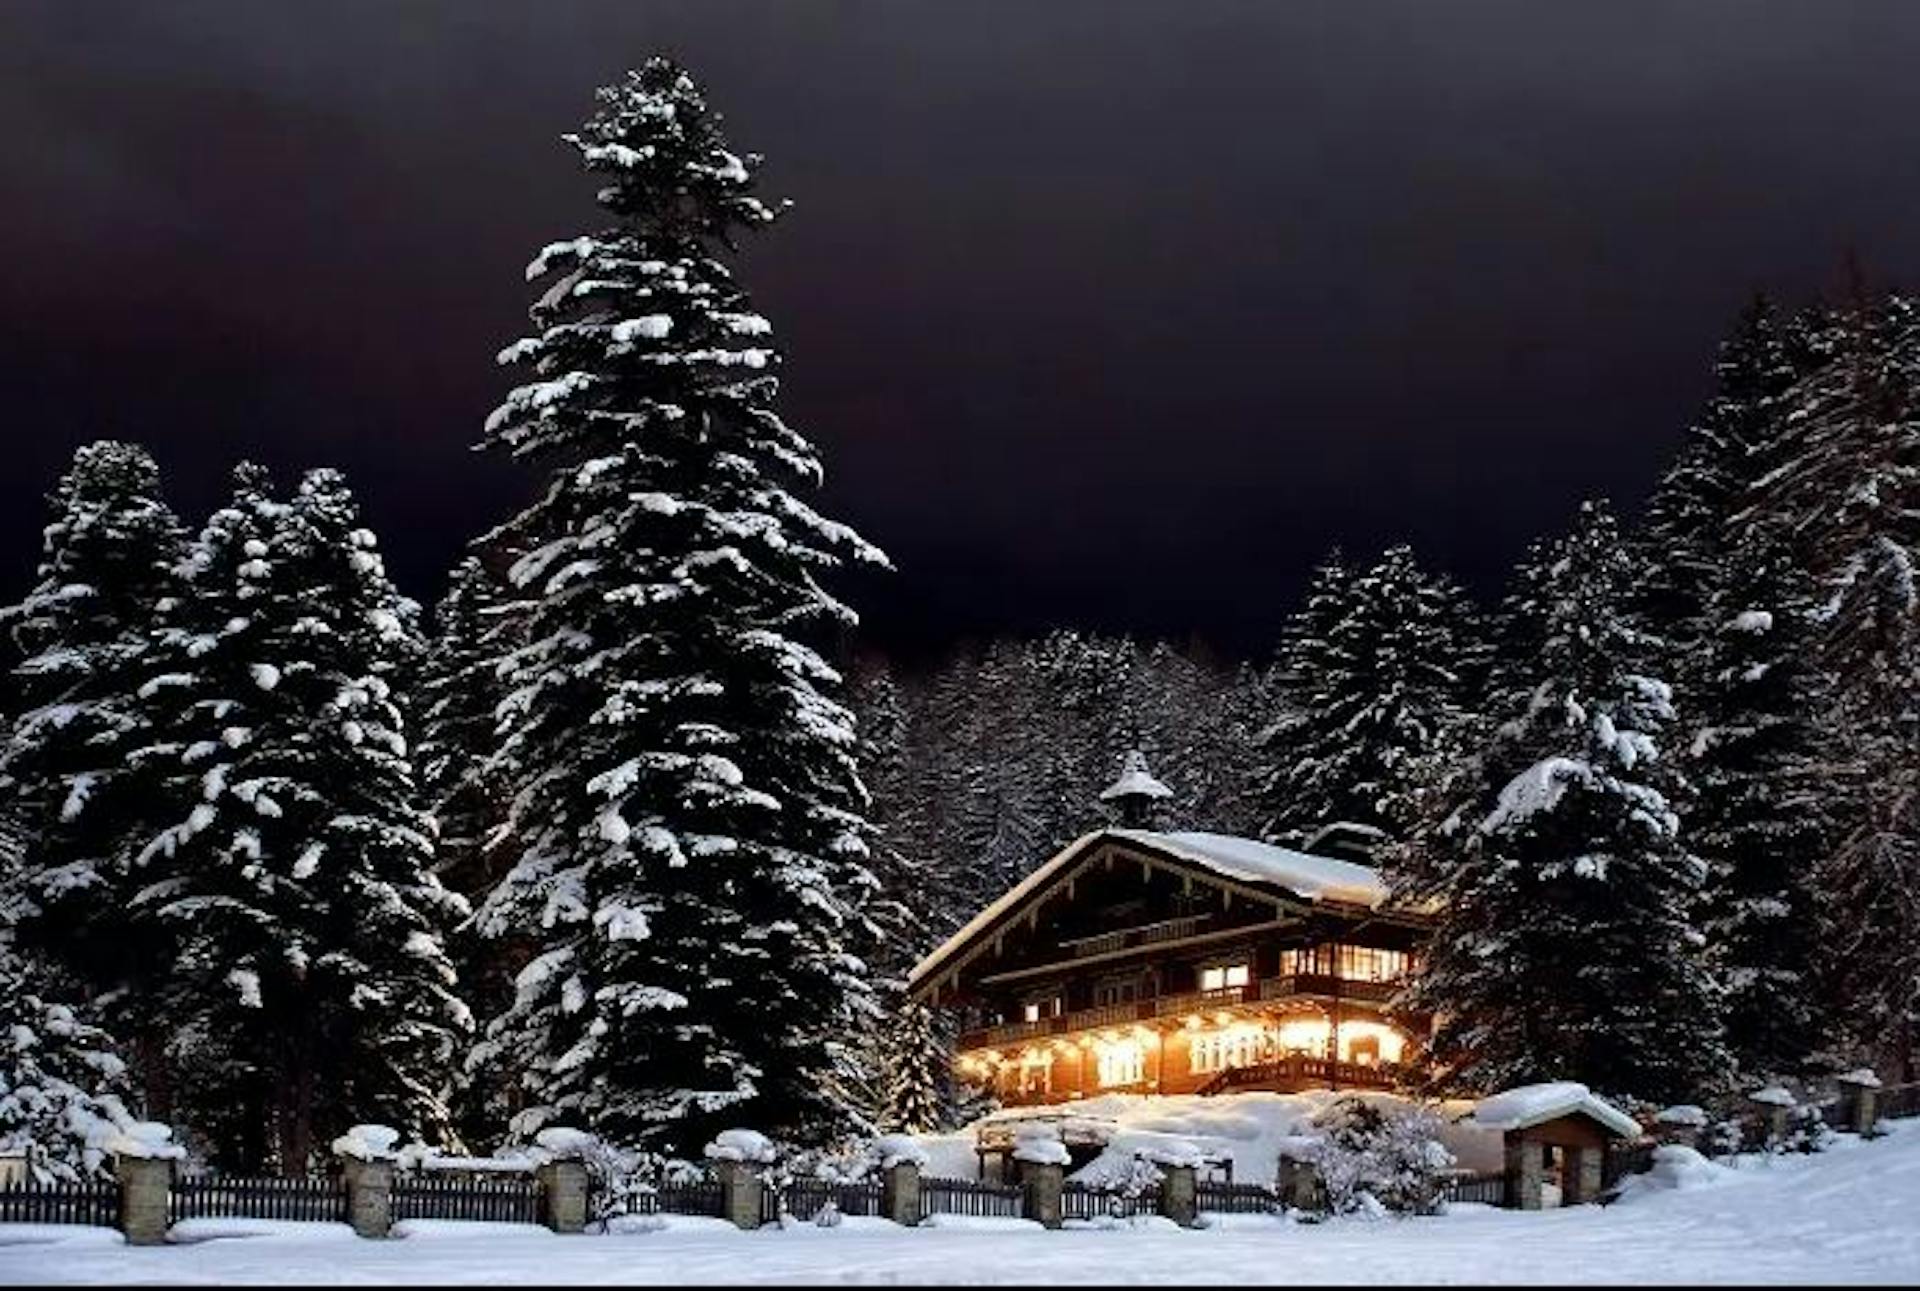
(60, 1085)
(1373, 1157)
(1807, 1131)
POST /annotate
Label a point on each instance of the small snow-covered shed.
(1559, 1128)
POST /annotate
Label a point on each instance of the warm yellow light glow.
(1222, 1018)
(1193, 1021)
(1358, 1041)
(1121, 1062)
(1305, 1034)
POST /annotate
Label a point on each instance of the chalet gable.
(1266, 886)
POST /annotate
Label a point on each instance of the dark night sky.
(1104, 312)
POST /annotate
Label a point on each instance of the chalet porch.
(1283, 1034)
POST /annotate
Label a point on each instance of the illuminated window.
(1371, 964)
(1036, 1072)
(1221, 976)
(1124, 1063)
(1034, 1010)
(1235, 1046)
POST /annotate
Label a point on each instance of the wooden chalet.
(1140, 961)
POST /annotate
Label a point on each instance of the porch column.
(1583, 1178)
(1526, 1167)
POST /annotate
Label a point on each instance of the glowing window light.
(1121, 1062)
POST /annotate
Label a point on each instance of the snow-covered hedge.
(1374, 1157)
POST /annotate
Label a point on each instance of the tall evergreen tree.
(75, 803)
(108, 563)
(310, 974)
(1761, 817)
(1379, 669)
(689, 850)
(1565, 947)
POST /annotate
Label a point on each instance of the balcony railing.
(1127, 938)
(1347, 988)
(1186, 1003)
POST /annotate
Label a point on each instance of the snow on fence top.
(1314, 878)
(740, 1145)
(1772, 1096)
(148, 1140)
(1682, 1114)
(899, 1149)
(1861, 1076)
(1529, 1105)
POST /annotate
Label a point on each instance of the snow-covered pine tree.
(107, 563)
(1848, 487)
(1761, 815)
(296, 879)
(689, 849)
(62, 1086)
(460, 689)
(1565, 947)
(919, 1073)
(1689, 520)
(1378, 669)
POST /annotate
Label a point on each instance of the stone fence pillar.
(900, 1192)
(1680, 1125)
(737, 1157)
(1859, 1101)
(1298, 1183)
(369, 1196)
(367, 1155)
(1180, 1194)
(1043, 1182)
(742, 1193)
(143, 1157)
(144, 1186)
(563, 1191)
(1771, 1107)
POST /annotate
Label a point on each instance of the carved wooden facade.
(1178, 963)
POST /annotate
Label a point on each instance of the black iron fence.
(92, 1201)
(806, 1198)
(509, 1200)
(689, 1197)
(1489, 1188)
(966, 1197)
(1237, 1199)
(1897, 1101)
(316, 1197)
(1084, 1201)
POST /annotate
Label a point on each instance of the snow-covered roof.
(1318, 878)
(1528, 1105)
(1312, 878)
(1135, 781)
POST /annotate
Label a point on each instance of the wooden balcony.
(1300, 1072)
(1128, 938)
(1326, 985)
(1185, 1004)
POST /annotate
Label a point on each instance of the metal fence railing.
(505, 1201)
(1487, 1188)
(966, 1197)
(92, 1201)
(806, 1198)
(314, 1197)
(1084, 1201)
(1238, 1199)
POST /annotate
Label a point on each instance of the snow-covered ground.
(1844, 1216)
